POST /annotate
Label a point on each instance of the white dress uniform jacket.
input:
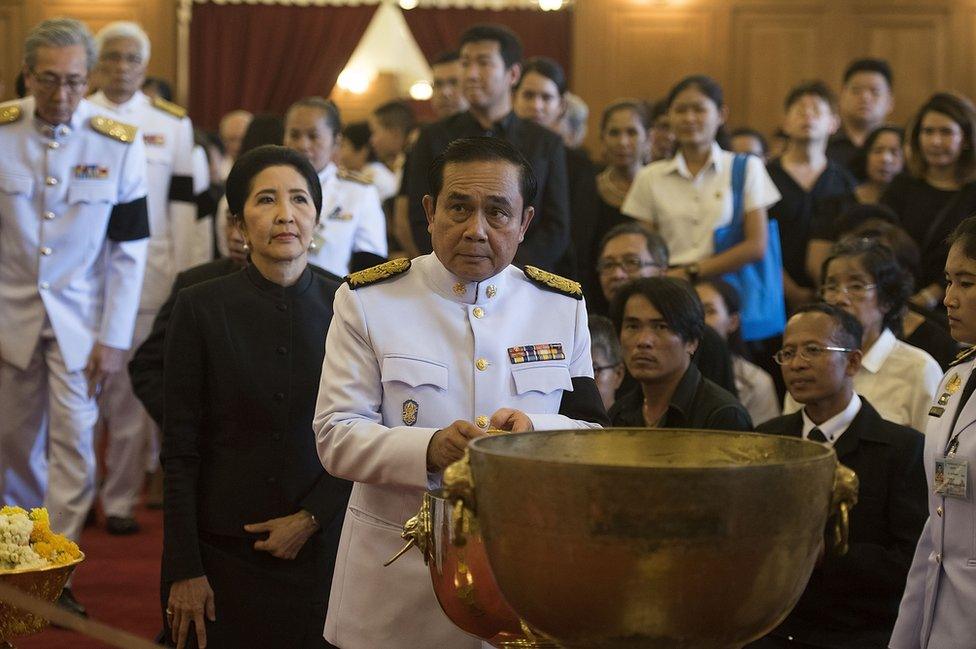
(351, 221)
(168, 136)
(408, 356)
(938, 610)
(72, 234)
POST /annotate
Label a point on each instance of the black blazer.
(243, 360)
(852, 601)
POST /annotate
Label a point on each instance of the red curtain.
(262, 58)
(543, 33)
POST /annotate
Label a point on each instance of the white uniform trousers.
(47, 454)
(133, 437)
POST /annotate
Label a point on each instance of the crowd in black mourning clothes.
(813, 285)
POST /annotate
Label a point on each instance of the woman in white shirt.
(754, 385)
(863, 277)
(689, 196)
(351, 231)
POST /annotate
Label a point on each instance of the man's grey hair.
(124, 29)
(58, 32)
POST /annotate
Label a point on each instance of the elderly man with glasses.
(850, 601)
(73, 233)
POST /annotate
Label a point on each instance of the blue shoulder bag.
(759, 283)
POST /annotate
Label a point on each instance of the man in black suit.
(491, 60)
(850, 602)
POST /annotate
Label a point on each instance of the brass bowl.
(651, 538)
(43, 583)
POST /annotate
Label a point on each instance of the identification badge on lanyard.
(951, 477)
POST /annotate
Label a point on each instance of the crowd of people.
(297, 323)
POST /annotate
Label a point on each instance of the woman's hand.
(189, 599)
(286, 535)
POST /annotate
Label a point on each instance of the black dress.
(243, 360)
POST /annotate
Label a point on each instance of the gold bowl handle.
(417, 531)
(844, 499)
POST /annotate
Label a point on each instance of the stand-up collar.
(450, 286)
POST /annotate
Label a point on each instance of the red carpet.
(118, 583)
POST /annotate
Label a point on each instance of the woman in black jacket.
(251, 519)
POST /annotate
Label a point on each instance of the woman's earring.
(247, 246)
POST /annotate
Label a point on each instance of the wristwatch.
(693, 271)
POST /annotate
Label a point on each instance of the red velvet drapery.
(543, 33)
(264, 57)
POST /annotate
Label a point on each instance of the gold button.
(939, 510)
(460, 289)
(48, 216)
(478, 312)
(46, 251)
(482, 421)
(45, 285)
(481, 364)
(53, 145)
(491, 290)
(51, 180)
(938, 558)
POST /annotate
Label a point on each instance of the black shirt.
(929, 215)
(548, 235)
(696, 403)
(841, 150)
(243, 361)
(797, 208)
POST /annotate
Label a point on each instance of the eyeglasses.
(603, 368)
(52, 83)
(119, 57)
(809, 352)
(629, 264)
(854, 289)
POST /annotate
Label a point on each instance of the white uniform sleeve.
(371, 227)
(580, 365)
(125, 260)
(182, 207)
(907, 633)
(639, 203)
(350, 436)
(760, 190)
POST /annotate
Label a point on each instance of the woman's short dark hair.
(848, 331)
(961, 111)
(509, 44)
(636, 106)
(357, 134)
(859, 161)
(546, 67)
(240, 181)
(893, 284)
(674, 299)
(965, 235)
(328, 108)
(265, 128)
(483, 149)
(895, 237)
(656, 245)
(711, 89)
(604, 339)
(733, 304)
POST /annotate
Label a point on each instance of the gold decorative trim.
(116, 130)
(169, 107)
(555, 282)
(378, 273)
(10, 114)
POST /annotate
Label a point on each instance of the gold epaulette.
(554, 282)
(356, 176)
(963, 356)
(113, 129)
(10, 113)
(376, 274)
(169, 107)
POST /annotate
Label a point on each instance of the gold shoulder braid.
(10, 114)
(554, 282)
(963, 356)
(378, 273)
(169, 107)
(115, 130)
(355, 176)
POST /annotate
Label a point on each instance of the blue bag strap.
(738, 186)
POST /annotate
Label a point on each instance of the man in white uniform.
(458, 336)
(123, 54)
(73, 235)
